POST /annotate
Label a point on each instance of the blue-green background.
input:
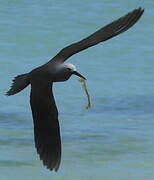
(112, 141)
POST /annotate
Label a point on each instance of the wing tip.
(50, 164)
(55, 167)
(140, 9)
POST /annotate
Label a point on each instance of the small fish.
(89, 105)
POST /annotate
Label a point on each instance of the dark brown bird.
(41, 79)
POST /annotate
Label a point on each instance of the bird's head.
(64, 72)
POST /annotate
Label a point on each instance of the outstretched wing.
(46, 125)
(113, 29)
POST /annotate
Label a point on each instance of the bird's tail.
(19, 83)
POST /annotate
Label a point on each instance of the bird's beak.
(78, 74)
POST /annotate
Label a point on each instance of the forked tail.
(19, 83)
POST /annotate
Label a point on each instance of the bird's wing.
(107, 32)
(46, 125)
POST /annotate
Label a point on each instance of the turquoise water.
(112, 141)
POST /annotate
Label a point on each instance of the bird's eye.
(69, 69)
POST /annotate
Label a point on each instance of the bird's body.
(41, 79)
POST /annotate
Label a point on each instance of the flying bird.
(44, 111)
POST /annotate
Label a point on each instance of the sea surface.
(114, 140)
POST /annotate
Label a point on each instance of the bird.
(43, 106)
